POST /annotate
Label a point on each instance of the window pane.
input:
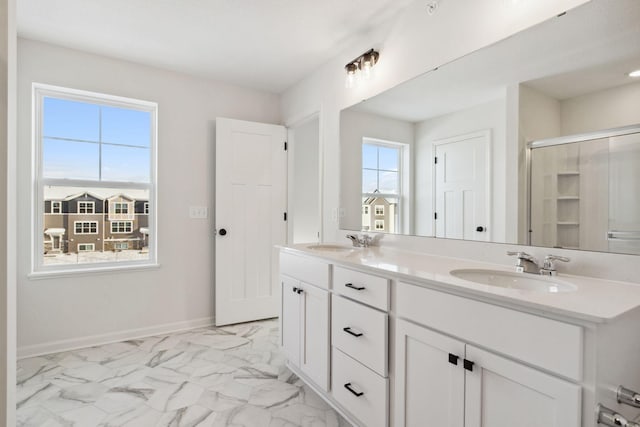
(389, 182)
(71, 119)
(126, 164)
(124, 126)
(388, 158)
(369, 181)
(64, 234)
(71, 160)
(369, 156)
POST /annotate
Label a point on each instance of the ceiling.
(263, 44)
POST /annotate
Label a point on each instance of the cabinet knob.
(222, 232)
(453, 359)
(468, 365)
(300, 291)
(480, 229)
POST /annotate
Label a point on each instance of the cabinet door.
(314, 355)
(503, 393)
(290, 320)
(429, 386)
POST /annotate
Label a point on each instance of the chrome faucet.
(362, 241)
(528, 264)
(548, 266)
(525, 263)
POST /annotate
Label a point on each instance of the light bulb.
(366, 68)
(352, 75)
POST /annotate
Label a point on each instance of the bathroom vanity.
(394, 338)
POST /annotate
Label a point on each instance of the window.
(121, 226)
(86, 207)
(56, 207)
(121, 246)
(365, 210)
(86, 247)
(381, 183)
(95, 145)
(146, 208)
(86, 227)
(121, 208)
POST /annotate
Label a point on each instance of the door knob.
(222, 232)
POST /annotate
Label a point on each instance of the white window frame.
(55, 203)
(365, 210)
(378, 210)
(379, 222)
(38, 269)
(75, 225)
(86, 245)
(118, 246)
(87, 205)
(117, 226)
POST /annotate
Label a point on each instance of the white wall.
(605, 109)
(355, 126)
(7, 212)
(77, 311)
(492, 116)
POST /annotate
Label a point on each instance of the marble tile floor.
(229, 376)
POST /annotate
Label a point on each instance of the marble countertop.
(594, 300)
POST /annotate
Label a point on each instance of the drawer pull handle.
(348, 387)
(357, 288)
(350, 332)
(468, 365)
(453, 359)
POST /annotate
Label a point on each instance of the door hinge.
(285, 216)
(435, 160)
(285, 146)
(435, 215)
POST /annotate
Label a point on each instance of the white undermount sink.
(513, 280)
(329, 248)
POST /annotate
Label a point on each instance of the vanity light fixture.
(634, 73)
(360, 68)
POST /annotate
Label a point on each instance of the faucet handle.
(521, 255)
(549, 259)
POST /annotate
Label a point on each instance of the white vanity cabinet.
(304, 319)
(451, 382)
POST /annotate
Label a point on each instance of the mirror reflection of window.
(381, 185)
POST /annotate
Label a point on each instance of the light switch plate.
(198, 212)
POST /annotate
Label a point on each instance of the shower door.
(624, 194)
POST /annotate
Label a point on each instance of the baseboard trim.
(93, 340)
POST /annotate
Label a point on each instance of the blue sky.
(119, 137)
(380, 168)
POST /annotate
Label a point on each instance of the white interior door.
(251, 200)
(462, 191)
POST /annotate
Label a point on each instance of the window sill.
(91, 271)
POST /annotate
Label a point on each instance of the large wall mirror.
(533, 140)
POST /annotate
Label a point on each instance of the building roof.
(70, 193)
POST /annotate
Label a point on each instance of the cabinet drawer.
(370, 407)
(369, 348)
(363, 287)
(308, 270)
(550, 344)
